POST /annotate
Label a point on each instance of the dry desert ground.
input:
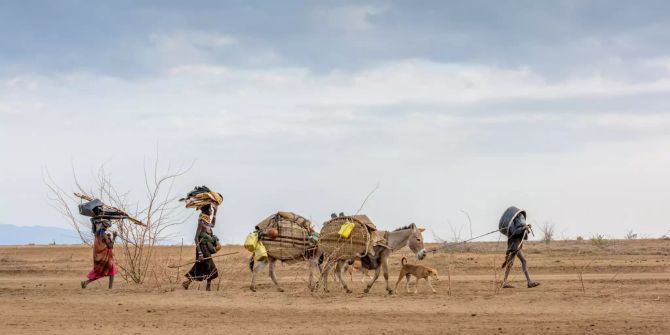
(625, 290)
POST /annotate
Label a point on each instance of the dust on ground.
(625, 290)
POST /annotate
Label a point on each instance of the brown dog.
(418, 271)
(358, 266)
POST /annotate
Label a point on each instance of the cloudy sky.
(560, 107)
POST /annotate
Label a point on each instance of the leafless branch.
(159, 213)
(367, 197)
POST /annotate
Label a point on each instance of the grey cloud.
(553, 38)
(315, 100)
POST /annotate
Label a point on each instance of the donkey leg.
(339, 268)
(324, 276)
(261, 265)
(313, 265)
(385, 267)
(273, 262)
(374, 279)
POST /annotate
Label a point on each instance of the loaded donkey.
(378, 259)
(282, 236)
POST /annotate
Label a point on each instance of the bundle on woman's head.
(202, 196)
(196, 190)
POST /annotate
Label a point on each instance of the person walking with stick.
(513, 225)
(206, 243)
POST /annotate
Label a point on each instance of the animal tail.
(251, 264)
(403, 261)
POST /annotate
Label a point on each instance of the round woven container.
(292, 241)
(336, 247)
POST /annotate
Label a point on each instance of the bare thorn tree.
(158, 210)
(548, 230)
(61, 201)
(455, 234)
(469, 220)
(436, 237)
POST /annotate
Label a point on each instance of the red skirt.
(103, 260)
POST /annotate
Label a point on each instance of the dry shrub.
(599, 241)
(630, 234)
(158, 210)
(548, 231)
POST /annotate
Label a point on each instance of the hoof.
(507, 286)
(533, 284)
(348, 291)
(253, 289)
(280, 289)
(367, 290)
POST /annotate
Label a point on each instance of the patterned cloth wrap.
(203, 199)
(208, 242)
(103, 258)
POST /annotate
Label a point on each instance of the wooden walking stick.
(132, 219)
(196, 261)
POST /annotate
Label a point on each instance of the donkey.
(409, 235)
(313, 256)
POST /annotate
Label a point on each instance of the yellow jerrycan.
(346, 229)
(251, 241)
(261, 252)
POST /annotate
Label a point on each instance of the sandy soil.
(626, 291)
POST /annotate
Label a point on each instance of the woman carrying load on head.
(206, 243)
(103, 255)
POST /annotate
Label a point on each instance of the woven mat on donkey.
(293, 240)
(359, 243)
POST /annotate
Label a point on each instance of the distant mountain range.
(17, 235)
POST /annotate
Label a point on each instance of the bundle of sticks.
(90, 198)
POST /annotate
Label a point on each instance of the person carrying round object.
(513, 225)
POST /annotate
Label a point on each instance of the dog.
(418, 271)
(357, 265)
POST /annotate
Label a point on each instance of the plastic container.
(261, 253)
(251, 242)
(346, 229)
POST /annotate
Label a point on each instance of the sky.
(451, 107)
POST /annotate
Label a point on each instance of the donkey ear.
(421, 230)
